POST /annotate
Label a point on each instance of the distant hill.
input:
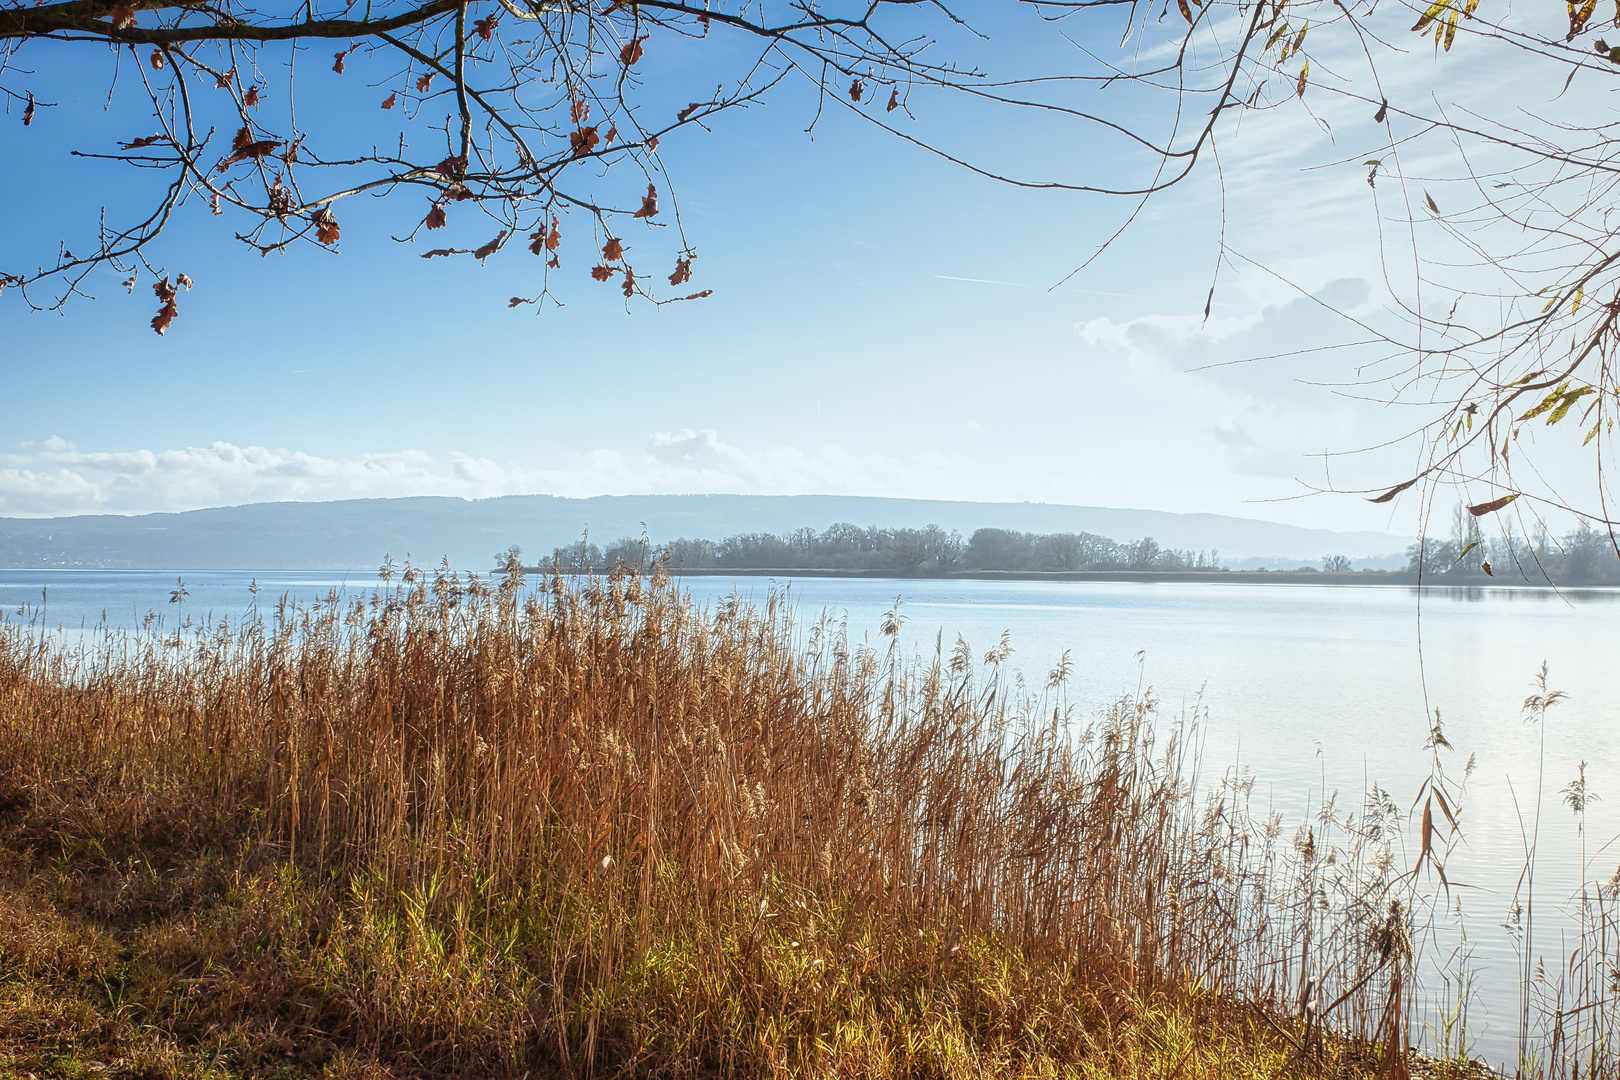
(357, 533)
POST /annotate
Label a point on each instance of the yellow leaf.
(1590, 435)
(1579, 294)
(1546, 403)
(1578, 18)
(1451, 29)
(1304, 73)
(1433, 12)
(1563, 406)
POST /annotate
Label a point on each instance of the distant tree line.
(1584, 556)
(928, 550)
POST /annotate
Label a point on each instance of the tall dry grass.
(591, 827)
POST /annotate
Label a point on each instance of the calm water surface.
(1312, 688)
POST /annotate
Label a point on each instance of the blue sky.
(882, 323)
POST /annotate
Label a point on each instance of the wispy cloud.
(1263, 388)
(981, 281)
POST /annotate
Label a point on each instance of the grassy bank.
(588, 830)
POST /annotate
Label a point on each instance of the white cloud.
(1162, 344)
(1269, 353)
(54, 477)
(1268, 390)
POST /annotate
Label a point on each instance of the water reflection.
(1474, 594)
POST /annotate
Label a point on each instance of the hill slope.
(356, 533)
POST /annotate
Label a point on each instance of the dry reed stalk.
(612, 825)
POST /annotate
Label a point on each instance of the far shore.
(1216, 577)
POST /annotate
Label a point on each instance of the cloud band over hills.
(55, 478)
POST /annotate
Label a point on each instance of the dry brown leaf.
(649, 204)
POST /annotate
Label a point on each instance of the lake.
(1314, 688)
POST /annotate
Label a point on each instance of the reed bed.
(586, 828)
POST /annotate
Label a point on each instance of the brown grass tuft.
(593, 830)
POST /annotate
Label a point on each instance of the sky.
(881, 322)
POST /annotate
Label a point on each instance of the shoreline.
(1393, 578)
(1384, 578)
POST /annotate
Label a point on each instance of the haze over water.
(1314, 689)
